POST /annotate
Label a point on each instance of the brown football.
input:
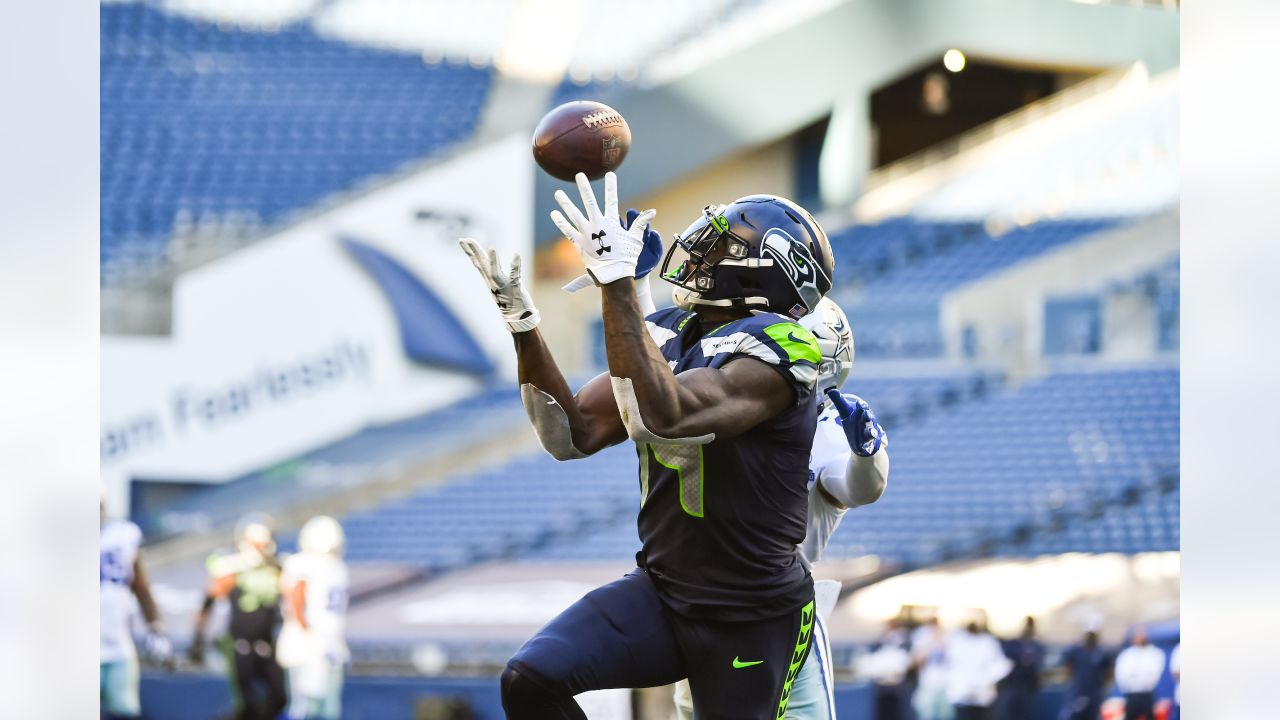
(581, 136)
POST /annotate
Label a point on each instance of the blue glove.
(652, 251)
(859, 423)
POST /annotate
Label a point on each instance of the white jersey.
(325, 598)
(830, 453)
(118, 544)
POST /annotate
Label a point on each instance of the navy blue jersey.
(720, 522)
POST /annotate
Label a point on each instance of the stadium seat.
(890, 277)
(209, 128)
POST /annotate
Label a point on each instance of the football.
(581, 136)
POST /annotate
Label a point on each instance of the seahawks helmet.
(256, 537)
(761, 252)
(831, 328)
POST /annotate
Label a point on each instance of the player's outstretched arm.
(569, 426)
(142, 590)
(861, 477)
(156, 643)
(220, 586)
(654, 405)
(694, 407)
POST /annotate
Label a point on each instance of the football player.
(849, 467)
(250, 580)
(121, 579)
(312, 645)
(719, 396)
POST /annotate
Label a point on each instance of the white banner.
(365, 313)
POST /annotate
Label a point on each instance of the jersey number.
(111, 568)
(337, 600)
(686, 461)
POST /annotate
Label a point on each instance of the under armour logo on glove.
(618, 258)
(599, 238)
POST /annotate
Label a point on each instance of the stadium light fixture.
(953, 60)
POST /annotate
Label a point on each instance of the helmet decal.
(795, 259)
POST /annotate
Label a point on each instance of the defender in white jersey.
(312, 645)
(122, 582)
(848, 467)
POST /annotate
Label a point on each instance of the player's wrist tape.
(524, 321)
(550, 423)
(606, 273)
(624, 394)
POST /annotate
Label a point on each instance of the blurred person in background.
(1022, 685)
(312, 645)
(1175, 669)
(929, 653)
(1089, 664)
(975, 663)
(1138, 670)
(848, 467)
(249, 579)
(887, 666)
(122, 580)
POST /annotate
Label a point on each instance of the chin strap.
(686, 299)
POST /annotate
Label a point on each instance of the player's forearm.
(857, 480)
(298, 604)
(565, 430)
(202, 617)
(147, 605)
(536, 366)
(142, 591)
(633, 356)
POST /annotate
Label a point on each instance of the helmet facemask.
(692, 259)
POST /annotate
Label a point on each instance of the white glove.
(512, 299)
(608, 250)
(157, 647)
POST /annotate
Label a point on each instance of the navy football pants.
(621, 635)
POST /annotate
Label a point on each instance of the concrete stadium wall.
(829, 64)
(1007, 310)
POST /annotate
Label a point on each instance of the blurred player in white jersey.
(312, 645)
(848, 467)
(122, 579)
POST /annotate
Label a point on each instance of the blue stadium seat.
(1045, 453)
(202, 124)
(1049, 446)
(890, 277)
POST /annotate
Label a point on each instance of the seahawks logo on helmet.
(794, 257)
